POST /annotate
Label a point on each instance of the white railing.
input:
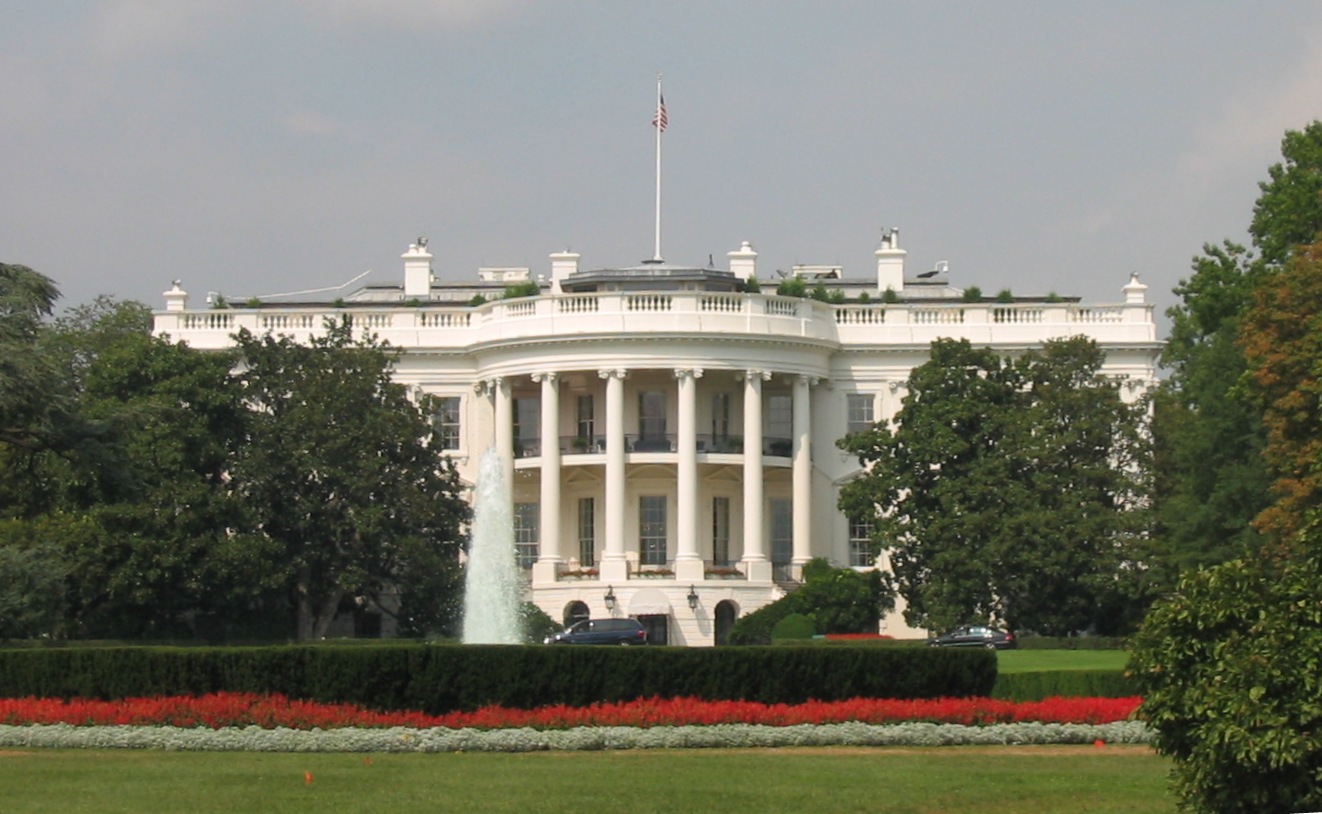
(695, 312)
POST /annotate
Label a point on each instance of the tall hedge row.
(443, 678)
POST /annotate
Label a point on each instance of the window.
(527, 517)
(587, 532)
(720, 416)
(652, 414)
(446, 422)
(527, 427)
(782, 531)
(587, 423)
(720, 531)
(652, 530)
(860, 418)
(779, 426)
(860, 544)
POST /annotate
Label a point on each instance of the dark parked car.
(602, 631)
(976, 636)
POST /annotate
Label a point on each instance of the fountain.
(492, 595)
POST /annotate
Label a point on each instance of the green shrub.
(793, 626)
(527, 288)
(751, 285)
(443, 678)
(792, 287)
(890, 296)
(1063, 683)
(1230, 669)
(973, 294)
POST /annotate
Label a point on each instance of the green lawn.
(1034, 661)
(1040, 779)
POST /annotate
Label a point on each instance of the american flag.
(660, 120)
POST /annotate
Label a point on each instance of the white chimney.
(176, 299)
(890, 262)
(743, 263)
(417, 271)
(1135, 292)
(563, 264)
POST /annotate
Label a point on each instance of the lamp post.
(693, 598)
(610, 598)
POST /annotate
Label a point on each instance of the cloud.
(409, 15)
(128, 29)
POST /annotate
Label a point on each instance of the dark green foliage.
(536, 624)
(1063, 683)
(1007, 489)
(752, 286)
(890, 296)
(1072, 643)
(1288, 213)
(836, 600)
(1230, 669)
(443, 678)
(1004, 296)
(792, 287)
(527, 288)
(973, 294)
(793, 626)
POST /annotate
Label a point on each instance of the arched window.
(726, 613)
(575, 612)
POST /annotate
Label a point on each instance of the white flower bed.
(404, 739)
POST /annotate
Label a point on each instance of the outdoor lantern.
(610, 598)
(693, 598)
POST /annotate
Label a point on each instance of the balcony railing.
(774, 447)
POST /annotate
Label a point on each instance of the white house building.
(671, 434)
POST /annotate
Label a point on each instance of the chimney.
(743, 263)
(890, 262)
(1135, 292)
(176, 299)
(563, 264)
(417, 271)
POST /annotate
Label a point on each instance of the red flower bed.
(269, 711)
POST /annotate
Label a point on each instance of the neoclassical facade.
(670, 431)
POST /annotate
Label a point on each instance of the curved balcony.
(772, 447)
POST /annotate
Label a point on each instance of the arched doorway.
(726, 613)
(576, 612)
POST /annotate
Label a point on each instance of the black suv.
(602, 631)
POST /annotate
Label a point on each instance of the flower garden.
(272, 722)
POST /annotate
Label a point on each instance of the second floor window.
(446, 421)
(861, 416)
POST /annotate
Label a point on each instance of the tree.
(31, 403)
(1282, 341)
(341, 472)
(832, 600)
(1230, 670)
(1288, 213)
(1211, 479)
(1008, 489)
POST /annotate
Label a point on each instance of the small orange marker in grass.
(367, 761)
(1099, 743)
(307, 778)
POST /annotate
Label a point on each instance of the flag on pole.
(659, 121)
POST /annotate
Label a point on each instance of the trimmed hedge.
(1063, 683)
(445, 678)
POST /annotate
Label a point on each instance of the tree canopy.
(1008, 488)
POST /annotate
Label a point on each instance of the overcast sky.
(260, 146)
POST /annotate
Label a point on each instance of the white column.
(688, 561)
(756, 564)
(549, 557)
(802, 473)
(504, 426)
(614, 566)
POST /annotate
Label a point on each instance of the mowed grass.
(1034, 661)
(1039, 779)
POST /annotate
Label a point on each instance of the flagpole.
(660, 122)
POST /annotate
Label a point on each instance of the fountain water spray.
(492, 594)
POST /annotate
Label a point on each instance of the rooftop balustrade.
(691, 313)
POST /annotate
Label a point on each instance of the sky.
(256, 147)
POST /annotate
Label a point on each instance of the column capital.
(805, 379)
(750, 375)
(686, 372)
(612, 373)
(896, 387)
(548, 375)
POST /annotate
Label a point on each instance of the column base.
(757, 570)
(690, 570)
(614, 571)
(545, 571)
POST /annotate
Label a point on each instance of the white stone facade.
(641, 411)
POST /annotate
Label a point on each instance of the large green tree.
(341, 471)
(1007, 489)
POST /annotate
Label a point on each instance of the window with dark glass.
(860, 544)
(446, 421)
(652, 530)
(527, 536)
(860, 418)
(587, 532)
(720, 531)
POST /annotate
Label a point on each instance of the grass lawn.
(1034, 661)
(1038, 779)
